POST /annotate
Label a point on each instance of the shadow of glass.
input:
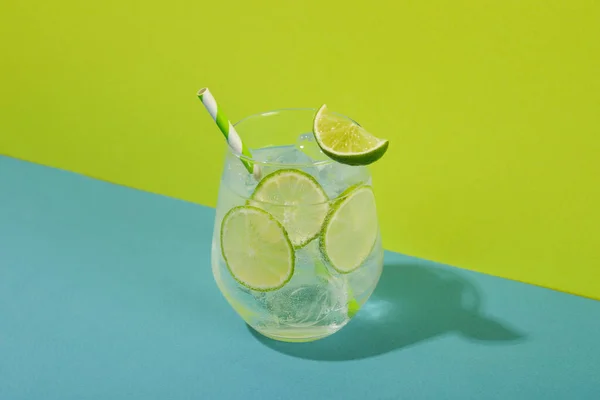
(412, 303)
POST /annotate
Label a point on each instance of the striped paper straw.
(232, 137)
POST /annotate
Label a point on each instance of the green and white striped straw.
(232, 137)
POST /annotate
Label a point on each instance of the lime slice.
(350, 229)
(345, 141)
(296, 200)
(256, 249)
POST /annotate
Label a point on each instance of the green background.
(491, 108)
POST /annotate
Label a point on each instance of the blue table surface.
(106, 293)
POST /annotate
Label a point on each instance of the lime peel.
(344, 141)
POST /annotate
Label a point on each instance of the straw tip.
(202, 91)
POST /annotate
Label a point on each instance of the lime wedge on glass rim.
(350, 229)
(296, 200)
(256, 249)
(344, 141)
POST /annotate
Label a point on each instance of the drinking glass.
(297, 252)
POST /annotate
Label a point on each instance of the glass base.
(300, 335)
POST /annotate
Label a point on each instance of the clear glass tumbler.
(297, 252)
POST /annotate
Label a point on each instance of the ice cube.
(336, 177)
(307, 144)
(309, 301)
(237, 178)
(279, 157)
(312, 297)
(333, 176)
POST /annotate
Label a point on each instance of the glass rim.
(252, 160)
